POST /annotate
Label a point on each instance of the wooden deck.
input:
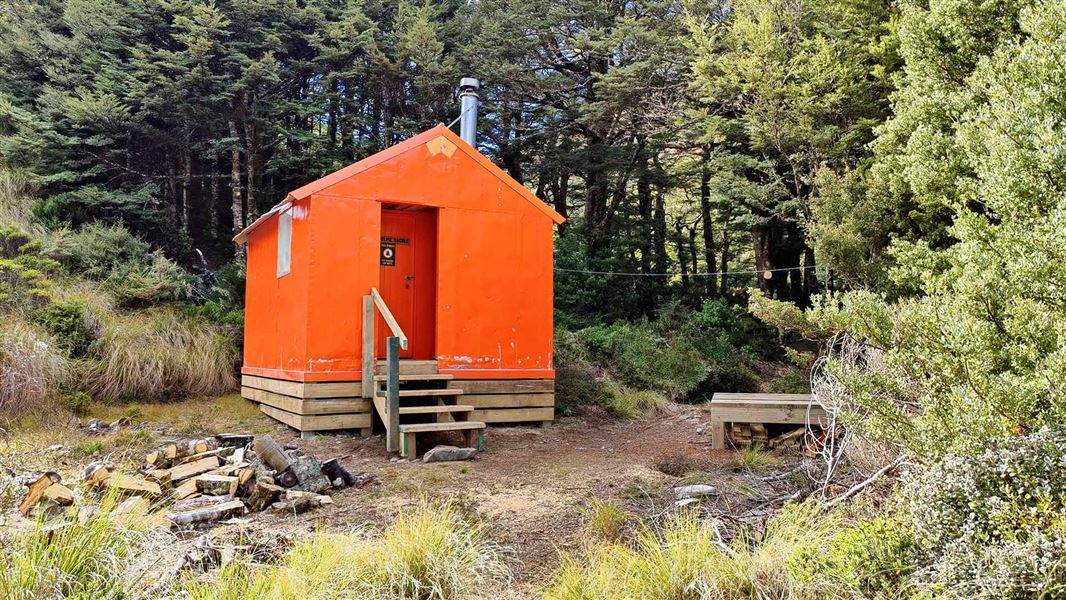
(795, 409)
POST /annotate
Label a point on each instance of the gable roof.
(389, 153)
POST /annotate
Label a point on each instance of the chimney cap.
(469, 82)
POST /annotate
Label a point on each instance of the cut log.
(189, 447)
(334, 470)
(238, 456)
(286, 478)
(121, 481)
(218, 452)
(234, 440)
(271, 453)
(60, 494)
(298, 502)
(263, 495)
(161, 476)
(36, 491)
(134, 506)
(187, 470)
(153, 458)
(792, 437)
(185, 490)
(309, 474)
(96, 474)
(216, 485)
(200, 502)
(207, 515)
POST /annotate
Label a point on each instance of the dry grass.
(31, 367)
(689, 560)
(225, 413)
(429, 554)
(159, 355)
(100, 556)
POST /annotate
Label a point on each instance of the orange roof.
(390, 153)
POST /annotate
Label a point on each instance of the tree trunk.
(237, 205)
(186, 182)
(708, 221)
(724, 262)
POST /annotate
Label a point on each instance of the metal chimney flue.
(468, 87)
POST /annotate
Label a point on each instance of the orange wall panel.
(275, 319)
(494, 273)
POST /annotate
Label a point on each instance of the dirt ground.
(529, 487)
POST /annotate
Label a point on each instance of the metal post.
(392, 392)
(468, 87)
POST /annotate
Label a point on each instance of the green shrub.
(872, 559)
(159, 355)
(31, 367)
(156, 280)
(789, 382)
(24, 281)
(70, 324)
(644, 358)
(994, 524)
(77, 402)
(98, 250)
(577, 381)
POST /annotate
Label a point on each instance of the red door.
(408, 280)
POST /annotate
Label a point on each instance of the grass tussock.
(94, 557)
(628, 403)
(158, 355)
(429, 554)
(756, 458)
(606, 521)
(31, 367)
(688, 559)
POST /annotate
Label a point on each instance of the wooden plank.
(426, 393)
(504, 386)
(310, 406)
(429, 410)
(311, 389)
(739, 397)
(389, 319)
(414, 367)
(513, 415)
(508, 400)
(424, 377)
(368, 347)
(795, 415)
(318, 422)
(278, 386)
(453, 426)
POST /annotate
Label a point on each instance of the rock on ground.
(447, 453)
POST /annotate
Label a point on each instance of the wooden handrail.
(389, 319)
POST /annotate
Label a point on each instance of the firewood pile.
(211, 479)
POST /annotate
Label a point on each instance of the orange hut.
(427, 241)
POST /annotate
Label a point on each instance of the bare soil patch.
(529, 486)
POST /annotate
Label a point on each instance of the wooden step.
(473, 432)
(411, 367)
(414, 393)
(428, 410)
(452, 426)
(422, 377)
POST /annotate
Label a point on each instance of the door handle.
(409, 278)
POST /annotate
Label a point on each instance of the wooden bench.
(759, 408)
